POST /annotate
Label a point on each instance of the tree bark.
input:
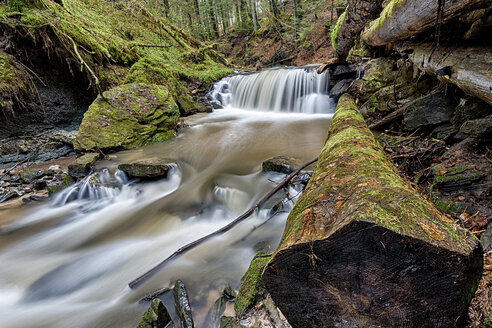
(467, 67)
(362, 248)
(358, 14)
(401, 19)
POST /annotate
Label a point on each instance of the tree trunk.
(362, 248)
(466, 67)
(255, 19)
(358, 14)
(401, 19)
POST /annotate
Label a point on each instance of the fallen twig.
(140, 280)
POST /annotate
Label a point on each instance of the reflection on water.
(68, 263)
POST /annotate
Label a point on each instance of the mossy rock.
(81, 166)
(380, 69)
(252, 288)
(14, 85)
(479, 128)
(229, 322)
(156, 316)
(67, 181)
(470, 109)
(128, 116)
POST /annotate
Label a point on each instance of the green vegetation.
(252, 288)
(334, 31)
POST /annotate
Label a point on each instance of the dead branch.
(147, 275)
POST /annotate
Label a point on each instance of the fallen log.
(357, 15)
(362, 248)
(468, 68)
(401, 19)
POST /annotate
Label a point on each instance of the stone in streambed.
(128, 116)
(147, 169)
(340, 87)
(156, 316)
(281, 164)
(182, 305)
(428, 111)
(81, 166)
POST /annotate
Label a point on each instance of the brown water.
(68, 263)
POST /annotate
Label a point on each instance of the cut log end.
(366, 275)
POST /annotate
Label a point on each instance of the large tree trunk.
(362, 248)
(470, 68)
(403, 18)
(358, 14)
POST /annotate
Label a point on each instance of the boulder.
(156, 316)
(479, 128)
(470, 109)
(182, 305)
(147, 169)
(128, 116)
(81, 166)
(281, 164)
(427, 111)
(340, 87)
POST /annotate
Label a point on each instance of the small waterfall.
(298, 90)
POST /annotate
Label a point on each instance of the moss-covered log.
(351, 23)
(401, 19)
(362, 248)
(467, 67)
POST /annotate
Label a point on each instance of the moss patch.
(334, 31)
(252, 288)
(132, 115)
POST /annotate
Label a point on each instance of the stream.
(67, 263)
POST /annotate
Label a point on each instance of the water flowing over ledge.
(296, 90)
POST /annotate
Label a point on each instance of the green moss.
(385, 14)
(252, 288)
(334, 31)
(132, 115)
(455, 174)
(449, 207)
(66, 182)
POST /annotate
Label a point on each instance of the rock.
(382, 70)
(182, 305)
(470, 109)
(340, 87)
(83, 165)
(147, 169)
(28, 176)
(486, 238)
(281, 164)
(156, 316)
(427, 111)
(252, 288)
(10, 195)
(56, 187)
(344, 71)
(444, 132)
(480, 128)
(39, 184)
(131, 115)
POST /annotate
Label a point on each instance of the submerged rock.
(128, 116)
(149, 168)
(427, 111)
(156, 316)
(83, 165)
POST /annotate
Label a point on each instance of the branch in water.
(140, 280)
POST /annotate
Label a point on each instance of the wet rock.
(83, 165)
(39, 184)
(479, 128)
(131, 115)
(344, 72)
(56, 186)
(156, 316)
(427, 111)
(182, 305)
(340, 87)
(281, 164)
(147, 169)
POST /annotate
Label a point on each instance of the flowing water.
(68, 263)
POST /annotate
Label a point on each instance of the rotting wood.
(362, 248)
(358, 14)
(401, 19)
(470, 68)
(140, 280)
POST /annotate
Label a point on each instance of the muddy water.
(68, 263)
